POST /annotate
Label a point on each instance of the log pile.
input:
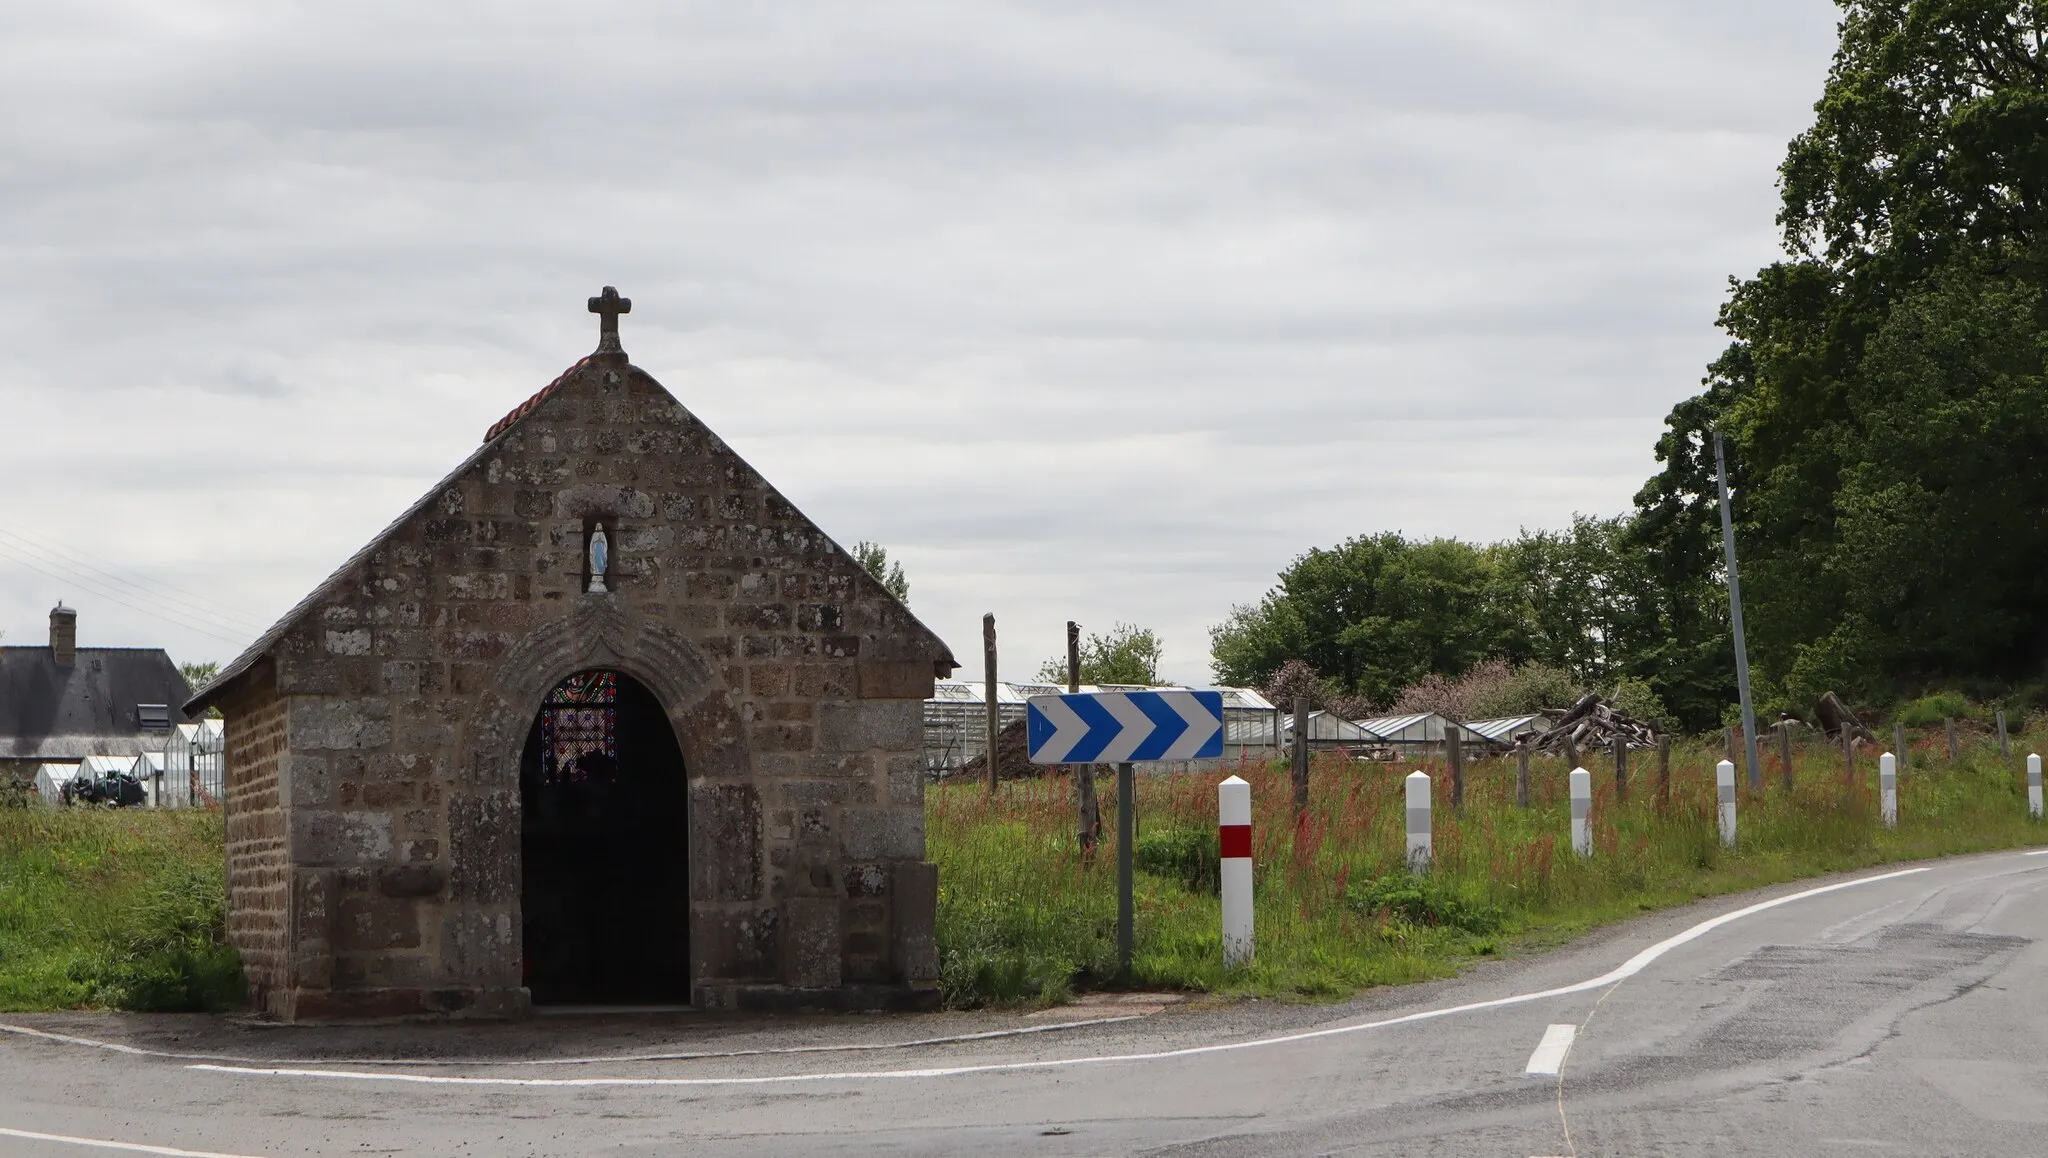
(1592, 723)
(1013, 760)
(1013, 757)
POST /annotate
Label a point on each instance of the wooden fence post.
(1620, 769)
(2004, 748)
(1663, 771)
(1084, 774)
(1522, 773)
(1785, 751)
(1848, 759)
(1949, 722)
(1454, 755)
(1730, 745)
(1899, 744)
(1301, 728)
(995, 727)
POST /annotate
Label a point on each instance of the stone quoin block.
(322, 724)
(725, 834)
(340, 838)
(812, 942)
(738, 946)
(913, 939)
(882, 834)
(865, 725)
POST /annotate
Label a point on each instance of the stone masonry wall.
(259, 871)
(795, 683)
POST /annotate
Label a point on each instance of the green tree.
(1883, 392)
(198, 675)
(874, 559)
(1127, 654)
(1375, 614)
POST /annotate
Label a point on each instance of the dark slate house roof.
(63, 713)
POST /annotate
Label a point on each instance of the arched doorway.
(605, 895)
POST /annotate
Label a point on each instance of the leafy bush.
(1422, 900)
(1930, 710)
(1529, 688)
(1637, 699)
(1188, 855)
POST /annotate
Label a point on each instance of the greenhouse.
(956, 721)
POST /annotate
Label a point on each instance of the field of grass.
(1023, 916)
(114, 908)
(125, 909)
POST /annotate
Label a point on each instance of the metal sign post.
(1122, 728)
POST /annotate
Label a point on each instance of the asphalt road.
(1891, 1013)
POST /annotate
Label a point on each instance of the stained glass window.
(579, 727)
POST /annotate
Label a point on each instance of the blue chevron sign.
(1124, 727)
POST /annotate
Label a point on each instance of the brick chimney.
(64, 635)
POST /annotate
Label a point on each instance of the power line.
(95, 589)
(143, 584)
(198, 605)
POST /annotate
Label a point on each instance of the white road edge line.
(2036, 852)
(1549, 1055)
(1622, 972)
(611, 1059)
(102, 1144)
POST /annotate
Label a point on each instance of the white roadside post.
(1582, 812)
(2034, 786)
(1418, 822)
(1888, 789)
(1234, 839)
(1724, 786)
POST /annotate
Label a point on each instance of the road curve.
(1892, 1011)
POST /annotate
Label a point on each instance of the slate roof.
(65, 713)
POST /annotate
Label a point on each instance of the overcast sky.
(1084, 312)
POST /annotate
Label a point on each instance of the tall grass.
(1024, 916)
(118, 908)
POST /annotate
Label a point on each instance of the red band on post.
(1235, 839)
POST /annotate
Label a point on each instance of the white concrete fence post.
(1888, 789)
(1418, 822)
(1724, 788)
(1234, 841)
(2034, 785)
(1582, 812)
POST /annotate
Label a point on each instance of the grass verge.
(1025, 917)
(122, 909)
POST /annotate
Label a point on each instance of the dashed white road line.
(1549, 1055)
(130, 1147)
(1622, 972)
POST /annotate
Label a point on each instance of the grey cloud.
(1084, 312)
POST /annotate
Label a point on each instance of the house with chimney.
(62, 703)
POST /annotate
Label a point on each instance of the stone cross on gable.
(609, 306)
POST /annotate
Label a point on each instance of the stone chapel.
(600, 719)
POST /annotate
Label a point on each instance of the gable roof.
(607, 354)
(56, 712)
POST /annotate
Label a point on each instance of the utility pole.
(1756, 778)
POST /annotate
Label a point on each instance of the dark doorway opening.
(605, 895)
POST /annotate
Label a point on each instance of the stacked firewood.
(1013, 760)
(1594, 722)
